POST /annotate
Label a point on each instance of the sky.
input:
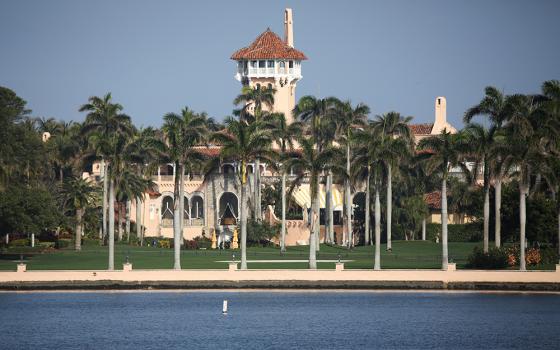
(157, 57)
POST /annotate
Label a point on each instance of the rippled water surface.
(279, 320)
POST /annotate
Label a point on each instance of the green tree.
(78, 194)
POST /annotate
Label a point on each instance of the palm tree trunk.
(559, 231)
(182, 202)
(127, 225)
(317, 208)
(243, 219)
(283, 229)
(328, 209)
(105, 168)
(119, 220)
(444, 254)
(377, 262)
(522, 223)
(176, 221)
(389, 206)
(498, 215)
(367, 208)
(257, 172)
(486, 217)
(111, 224)
(139, 230)
(330, 213)
(78, 241)
(348, 200)
(424, 229)
(313, 233)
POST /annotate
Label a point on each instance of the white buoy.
(224, 308)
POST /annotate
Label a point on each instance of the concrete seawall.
(265, 279)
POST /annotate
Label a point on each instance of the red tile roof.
(421, 129)
(209, 151)
(268, 45)
(433, 200)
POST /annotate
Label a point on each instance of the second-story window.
(262, 64)
(291, 64)
(253, 64)
(270, 64)
(282, 64)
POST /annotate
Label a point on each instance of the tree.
(183, 133)
(348, 119)
(107, 129)
(284, 134)
(495, 107)
(310, 163)
(253, 100)
(78, 194)
(392, 127)
(242, 143)
(441, 154)
(320, 125)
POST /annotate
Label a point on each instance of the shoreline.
(233, 279)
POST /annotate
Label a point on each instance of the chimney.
(288, 28)
(441, 111)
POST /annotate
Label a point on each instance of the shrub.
(496, 258)
(549, 256)
(23, 242)
(455, 233)
(63, 243)
(46, 244)
(532, 256)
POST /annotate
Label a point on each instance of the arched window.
(197, 210)
(258, 86)
(167, 211)
(229, 211)
(269, 86)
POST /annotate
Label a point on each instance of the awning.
(302, 197)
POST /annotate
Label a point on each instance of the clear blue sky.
(158, 56)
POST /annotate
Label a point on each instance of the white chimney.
(288, 28)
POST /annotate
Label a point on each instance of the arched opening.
(359, 216)
(166, 170)
(228, 169)
(186, 215)
(229, 209)
(167, 211)
(197, 210)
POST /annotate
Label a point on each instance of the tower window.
(439, 101)
(291, 64)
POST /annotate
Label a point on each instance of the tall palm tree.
(78, 194)
(243, 143)
(107, 126)
(527, 144)
(310, 164)
(183, 133)
(481, 141)
(441, 154)
(318, 115)
(253, 101)
(284, 134)
(392, 126)
(494, 105)
(349, 119)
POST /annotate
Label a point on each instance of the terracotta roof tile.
(421, 129)
(433, 200)
(268, 45)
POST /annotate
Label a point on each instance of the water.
(279, 320)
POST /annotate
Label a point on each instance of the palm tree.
(183, 133)
(527, 153)
(107, 127)
(348, 119)
(243, 143)
(310, 164)
(391, 126)
(481, 141)
(318, 116)
(441, 154)
(284, 134)
(78, 194)
(494, 105)
(253, 100)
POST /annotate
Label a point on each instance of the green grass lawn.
(405, 255)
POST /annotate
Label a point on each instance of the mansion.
(212, 202)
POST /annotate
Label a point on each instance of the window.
(262, 64)
(270, 64)
(282, 64)
(269, 86)
(291, 64)
(258, 86)
(253, 64)
(439, 101)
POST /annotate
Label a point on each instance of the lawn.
(405, 255)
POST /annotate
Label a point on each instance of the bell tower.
(270, 62)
